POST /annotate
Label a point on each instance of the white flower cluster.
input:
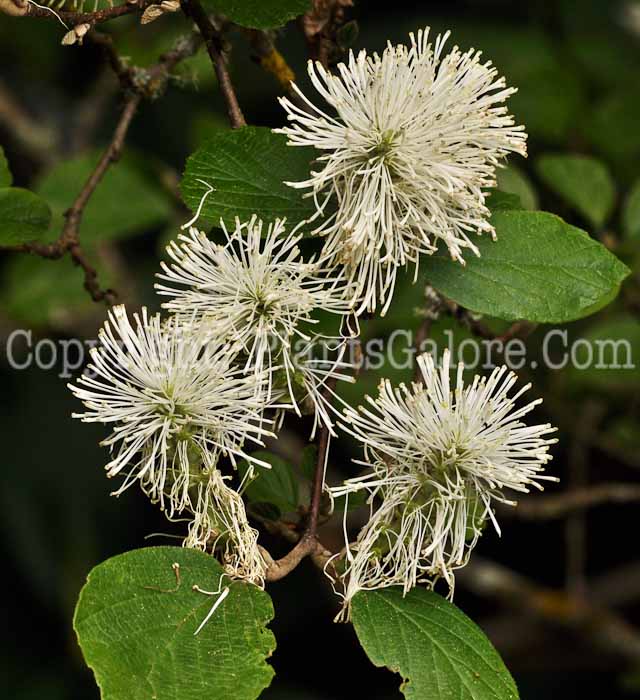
(406, 161)
(440, 456)
(183, 392)
(406, 158)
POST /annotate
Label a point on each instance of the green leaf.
(259, 14)
(136, 627)
(583, 182)
(513, 181)
(123, 204)
(277, 485)
(23, 216)
(247, 167)
(631, 212)
(439, 652)
(6, 179)
(539, 269)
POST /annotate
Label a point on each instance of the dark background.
(577, 66)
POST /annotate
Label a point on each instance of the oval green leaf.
(247, 168)
(259, 14)
(135, 624)
(606, 356)
(611, 127)
(439, 652)
(24, 216)
(539, 269)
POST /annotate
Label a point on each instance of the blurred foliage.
(512, 180)
(125, 203)
(631, 212)
(39, 294)
(583, 182)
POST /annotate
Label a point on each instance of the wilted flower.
(220, 523)
(441, 457)
(406, 160)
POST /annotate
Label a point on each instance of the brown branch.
(37, 139)
(111, 155)
(605, 629)
(318, 475)
(563, 504)
(319, 26)
(266, 54)
(123, 73)
(280, 568)
(308, 543)
(436, 303)
(518, 329)
(92, 18)
(213, 41)
(137, 85)
(73, 216)
(285, 565)
(14, 8)
(576, 524)
(69, 239)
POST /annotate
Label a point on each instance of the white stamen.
(214, 607)
(53, 12)
(196, 216)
